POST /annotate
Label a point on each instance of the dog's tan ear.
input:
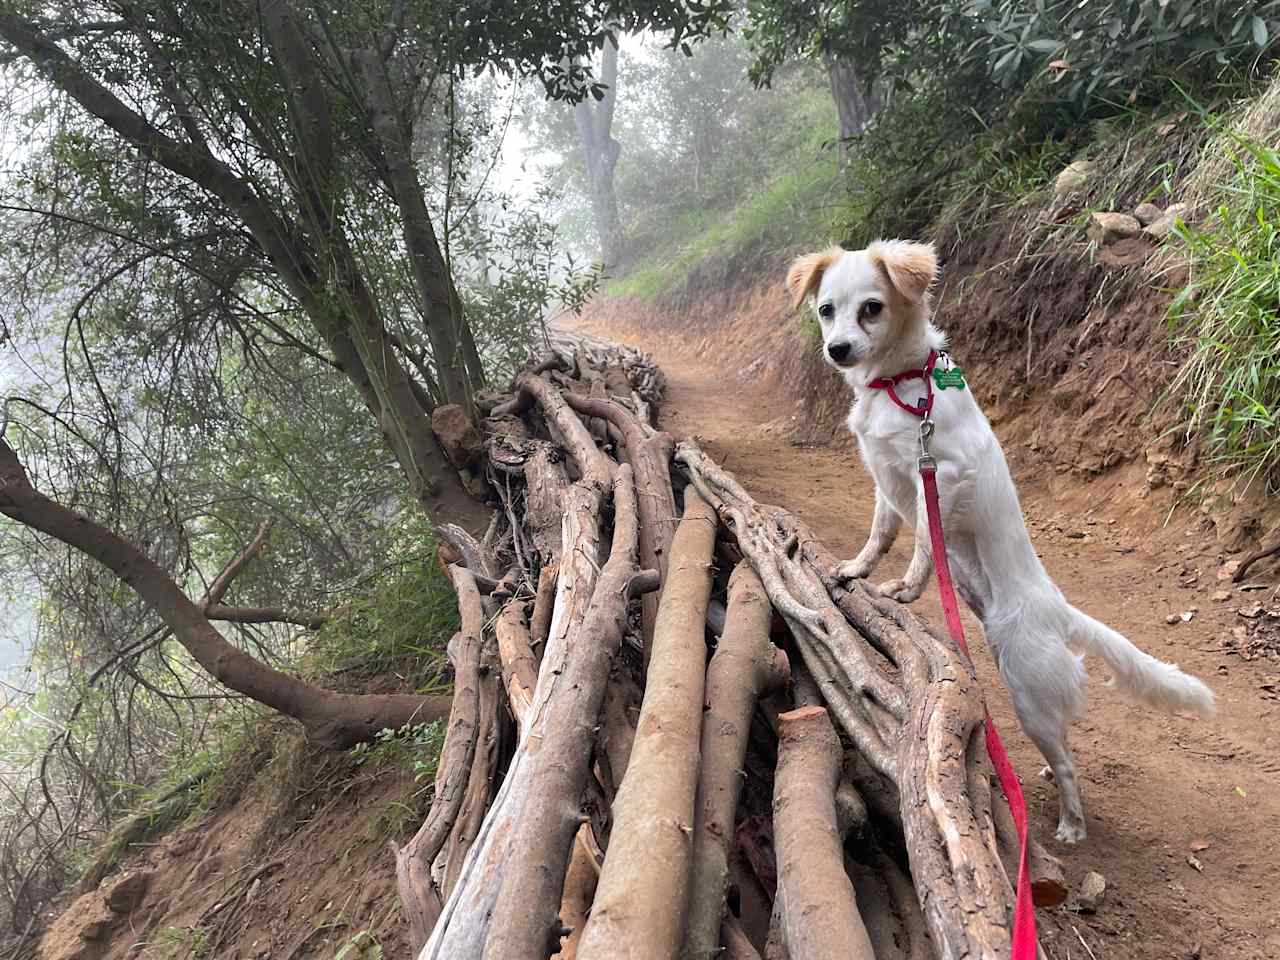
(911, 267)
(806, 273)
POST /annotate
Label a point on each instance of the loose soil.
(1183, 815)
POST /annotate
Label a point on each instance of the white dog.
(874, 309)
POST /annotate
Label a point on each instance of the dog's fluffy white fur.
(874, 309)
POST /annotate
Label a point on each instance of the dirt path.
(1183, 816)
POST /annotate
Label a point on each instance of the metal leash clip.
(926, 462)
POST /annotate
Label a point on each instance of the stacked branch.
(675, 732)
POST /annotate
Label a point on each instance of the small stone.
(1171, 618)
(1251, 612)
(127, 892)
(1252, 587)
(1093, 890)
(95, 929)
(1228, 569)
(1072, 177)
(1221, 595)
(1147, 213)
(1187, 615)
(1159, 229)
(1194, 862)
(1199, 846)
(1108, 227)
(457, 434)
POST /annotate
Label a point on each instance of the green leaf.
(1259, 32)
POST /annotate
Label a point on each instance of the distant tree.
(600, 150)
(676, 115)
(849, 38)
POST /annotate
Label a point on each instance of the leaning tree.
(266, 152)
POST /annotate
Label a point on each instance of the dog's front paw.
(900, 590)
(855, 569)
(1070, 831)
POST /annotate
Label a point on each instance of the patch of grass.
(399, 627)
(208, 780)
(787, 197)
(1229, 316)
(416, 747)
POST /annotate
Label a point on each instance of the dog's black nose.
(839, 351)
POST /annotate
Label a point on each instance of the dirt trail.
(1183, 816)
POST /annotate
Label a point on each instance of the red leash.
(1025, 944)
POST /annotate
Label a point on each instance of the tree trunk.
(306, 245)
(440, 304)
(331, 719)
(594, 120)
(853, 107)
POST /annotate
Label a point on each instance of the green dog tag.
(951, 377)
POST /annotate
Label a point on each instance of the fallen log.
(639, 908)
(819, 913)
(418, 892)
(906, 698)
(746, 665)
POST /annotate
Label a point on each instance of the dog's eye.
(871, 308)
(827, 311)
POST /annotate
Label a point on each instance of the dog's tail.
(1140, 675)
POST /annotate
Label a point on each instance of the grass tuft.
(1229, 316)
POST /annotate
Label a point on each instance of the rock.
(1240, 531)
(457, 434)
(1171, 618)
(1221, 595)
(1093, 890)
(1228, 569)
(1251, 612)
(95, 929)
(1161, 228)
(1147, 213)
(1108, 227)
(127, 892)
(1072, 177)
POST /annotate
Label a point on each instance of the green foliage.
(1117, 51)
(178, 943)
(859, 32)
(414, 746)
(514, 272)
(1227, 315)
(398, 624)
(363, 946)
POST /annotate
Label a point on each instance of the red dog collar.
(887, 384)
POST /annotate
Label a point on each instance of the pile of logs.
(675, 733)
